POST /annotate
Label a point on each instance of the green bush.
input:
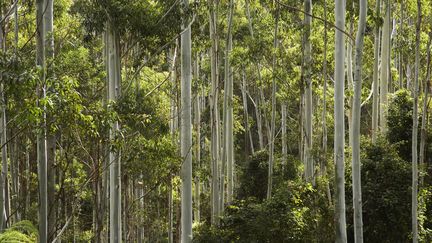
(386, 194)
(20, 232)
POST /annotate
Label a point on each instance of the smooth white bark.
(308, 159)
(214, 116)
(112, 43)
(228, 111)
(41, 135)
(414, 161)
(186, 130)
(356, 114)
(375, 86)
(384, 77)
(339, 143)
(273, 114)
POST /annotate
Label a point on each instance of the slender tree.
(114, 81)
(414, 161)
(375, 85)
(228, 111)
(51, 139)
(426, 87)
(273, 103)
(197, 116)
(339, 133)
(214, 114)
(356, 113)
(41, 135)
(384, 78)
(186, 129)
(308, 159)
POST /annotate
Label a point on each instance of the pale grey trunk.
(51, 139)
(214, 117)
(186, 130)
(339, 143)
(423, 134)
(262, 104)
(401, 56)
(41, 135)
(324, 110)
(414, 161)
(284, 135)
(350, 81)
(384, 70)
(114, 81)
(273, 114)
(197, 110)
(173, 129)
(246, 113)
(356, 114)
(249, 18)
(228, 112)
(308, 159)
(375, 86)
(3, 138)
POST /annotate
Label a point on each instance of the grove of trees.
(215, 121)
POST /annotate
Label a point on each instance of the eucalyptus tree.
(51, 139)
(4, 185)
(426, 87)
(186, 127)
(214, 111)
(375, 85)
(385, 67)
(356, 113)
(339, 132)
(228, 152)
(308, 159)
(414, 158)
(197, 121)
(112, 43)
(273, 103)
(41, 134)
(284, 134)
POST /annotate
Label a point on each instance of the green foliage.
(400, 123)
(386, 194)
(296, 213)
(20, 232)
(254, 177)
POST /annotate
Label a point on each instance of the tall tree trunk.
(173, 129)
(51, 139)
(401, 56)
(197, 113)
(324, 110)
(414, 198)
(350, 81)
(41, 135)
(114, 153)
(356, 114)
(284, 135)
(186, 130)
(426, 87)
(214, 116)
(273, 114)
(248, 133)
(4, 185)
(228, 110)
(308, 159)
(384, 69)
(375, 86)
(339, 143)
